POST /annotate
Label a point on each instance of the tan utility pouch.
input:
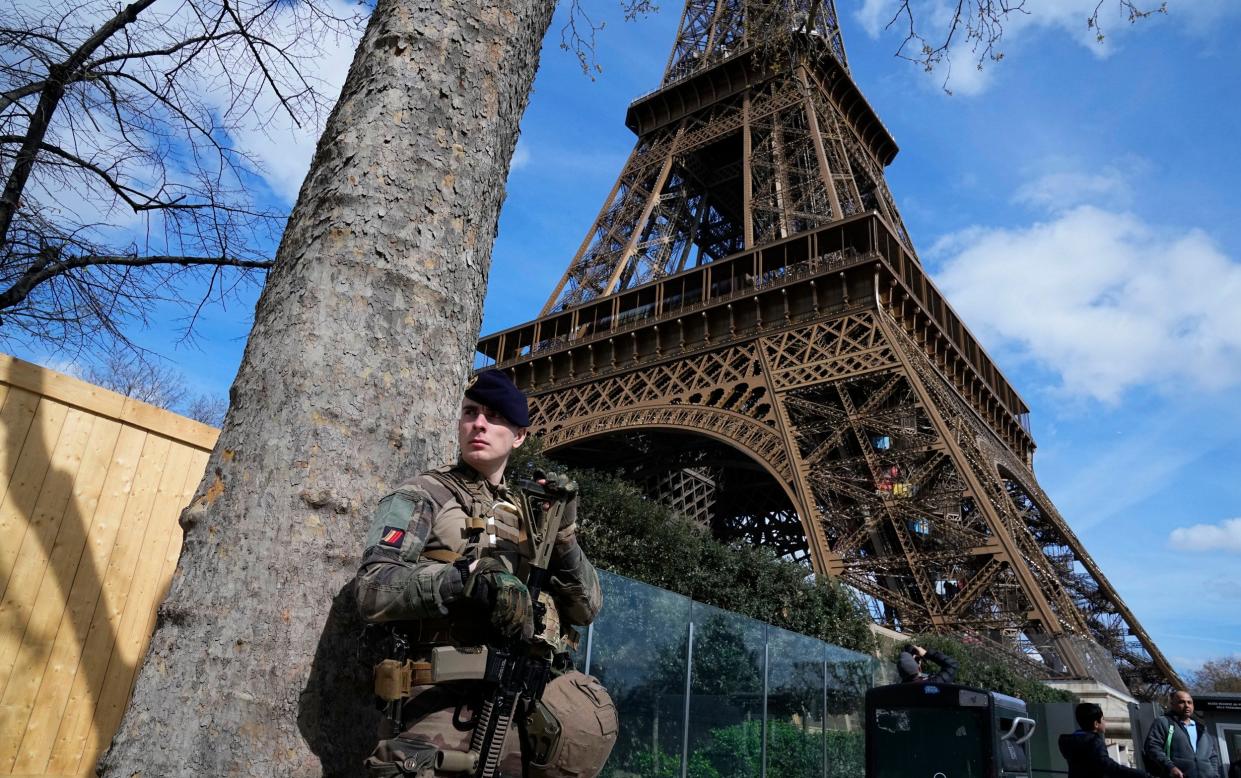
(394, 680)
(450, 663)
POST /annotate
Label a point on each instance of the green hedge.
(979, 668)
(736, 751)
(624, 532)
(791, 752)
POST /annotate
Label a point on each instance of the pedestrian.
(911, 662)
(1086, 751)
(444, 570)
(1177, 746)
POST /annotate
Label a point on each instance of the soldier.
(424, 553)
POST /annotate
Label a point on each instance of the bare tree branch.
(49, 100)
(107, 116)
(977, 25)
(142, 378)
(1130, 9)
(578, 35)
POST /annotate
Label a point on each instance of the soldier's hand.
(512, 612)
(565, 488)
(505, 595)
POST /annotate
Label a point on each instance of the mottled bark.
(360, 348)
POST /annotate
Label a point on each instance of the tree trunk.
(350, 380)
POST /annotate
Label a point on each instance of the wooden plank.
(177, 498)
(193, 477)
(132, 636)
(54, 703)
(169, 424)
(44, 522)
(60, 387)
(72, 391)
(76, 727)
(24, 486)
(65, 603)
(16, 417)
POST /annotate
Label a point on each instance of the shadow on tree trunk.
(336, 713)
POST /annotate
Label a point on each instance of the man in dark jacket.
(1179, 747)
(910, 666)
(1085, 750)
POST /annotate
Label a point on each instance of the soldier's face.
(486, 438)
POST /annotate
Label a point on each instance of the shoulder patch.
(392, 537)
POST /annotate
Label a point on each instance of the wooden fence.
(91, 485)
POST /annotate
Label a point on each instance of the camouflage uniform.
(407, 577)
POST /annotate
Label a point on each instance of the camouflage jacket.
(405, 574)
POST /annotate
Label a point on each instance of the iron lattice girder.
(749, 280)
(712, 30)
(739, 378)
(808, 147)
(824, 270)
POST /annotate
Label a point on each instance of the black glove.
(504, 595)
(560, 486)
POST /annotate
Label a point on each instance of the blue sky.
(1077, 202)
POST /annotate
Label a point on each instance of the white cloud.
(1203, 17)
(521, 155)
(282, 149)
(957, 72)
(1061, 190)
(1225, 536)
(1101, 298)
(874, 15)
(960, 74)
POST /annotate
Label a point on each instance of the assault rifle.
(517, 667)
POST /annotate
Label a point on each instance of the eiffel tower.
(747, 329)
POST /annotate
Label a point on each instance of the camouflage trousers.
(429, 728)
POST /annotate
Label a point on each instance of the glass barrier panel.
(726, 695)
(638, 651)
(796, 736)
(849, 675)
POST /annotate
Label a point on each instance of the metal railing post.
(689, 673)
(766, 672)
(823, 712)
(590, 644)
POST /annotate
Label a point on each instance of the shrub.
(980, 668)
(624, 532)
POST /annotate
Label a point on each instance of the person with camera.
(912, 669)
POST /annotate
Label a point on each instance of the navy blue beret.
(496, 390)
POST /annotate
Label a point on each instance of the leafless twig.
(976, 25)
(578, 35)
(123, 183)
